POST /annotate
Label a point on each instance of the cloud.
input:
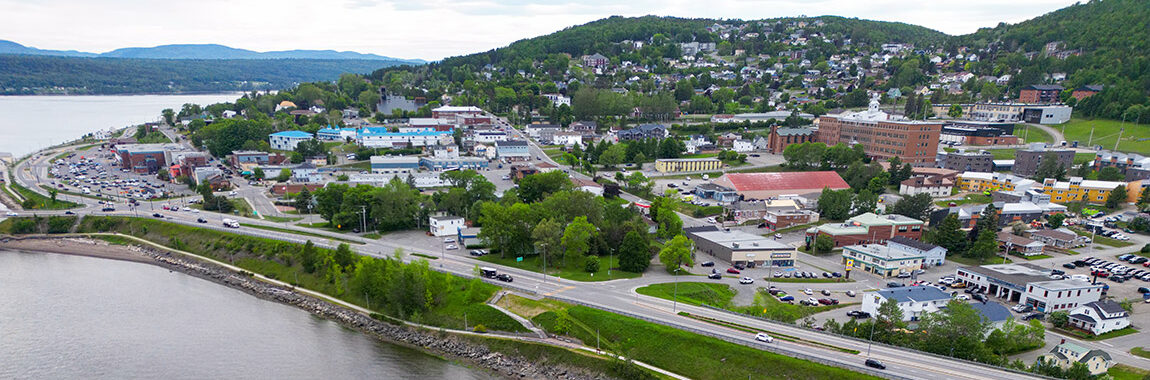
(428, 29)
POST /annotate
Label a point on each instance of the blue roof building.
(287, 140)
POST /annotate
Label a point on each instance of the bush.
(824, 244)
(480, 329)
(591, 264)
(1146, 248)
(1059, 319)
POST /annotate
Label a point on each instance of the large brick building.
(1040, 93)
(1086, 91)
(868, 228)
(144, 158)
(963, 161)
(1026, 161)
(780, 138)
(883, 135)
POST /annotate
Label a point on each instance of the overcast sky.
(428, 29)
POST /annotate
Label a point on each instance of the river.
(28, 123)
(71, 317)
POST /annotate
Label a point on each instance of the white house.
(1066, 354)
(742, 146)
(446, 225)
(935, 186)
(915, 301)
(1100, 317)
(558, 99)
(567, 138)
(932, 254)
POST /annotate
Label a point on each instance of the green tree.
(535, 187)
(955, 111)
(835, 205)
(1143, 199)
(1056, 220)
(634, 253)
(577, 238)
(258, 173)
(285, 174)
(916, 206)
(669, 223)
(1110, 173)
(169, 116)
(303, 201)
(1059, 319)
(1116, 198)
(591, 264)
(677, 253)
(824, 244)
(1050, 168)
(343, 255)
(613, 156)
(949, 235)
(985, 246)
(548, 238)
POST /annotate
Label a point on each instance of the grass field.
(976, 198)
(1125, 372)
(693, 293)
(572, 271)
(1088, 336)
(280, 219)
(699, 211)
(36, 201)
(1139, 351)
(1135, 139)
(1031, 134)
(688, 354)
(1083, 157)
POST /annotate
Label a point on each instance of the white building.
(381, 138)
(914, 301)
(446, 225)
(935, 186)
(588, 186)
(487, 137)
(1060, 295)
(742, 146)
(1100, 317)
(287, 140)
(558, 99)
(933, 255)
(567, 139)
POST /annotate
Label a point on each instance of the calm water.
(28, 123)
(70, 317)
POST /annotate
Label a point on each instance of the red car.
(1101, 274)
(732, 271)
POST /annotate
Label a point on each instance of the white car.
(808, 291)
(746, 280)
(962, 297)
(11, 214)
(451, 246)
(764, 337)
(449, 240)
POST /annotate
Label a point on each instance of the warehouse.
(737, 247)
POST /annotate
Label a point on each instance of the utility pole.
(675, 305)
(1090, 141)
(363, 218)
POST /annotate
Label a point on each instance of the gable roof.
(992, 311)
(1055, 234)
(1107, 307)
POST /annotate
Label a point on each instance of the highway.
(616, 295)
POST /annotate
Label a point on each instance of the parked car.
(787, 298)
(733, 271)
(201, 220)
(1038, 316)
(1069, 266)
(451, 247)
(850, 293)
(858, 314)
(1022, 308)
(808, 291)
(893, 284)
(826, 292)
(708, 264)
(903, 275)
(828, 301)
(873, 363)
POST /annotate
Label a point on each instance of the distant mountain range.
(202, 51)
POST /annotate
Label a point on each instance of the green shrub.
(480, 329)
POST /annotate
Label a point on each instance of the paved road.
(616, 296)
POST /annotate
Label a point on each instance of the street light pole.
(675, 305)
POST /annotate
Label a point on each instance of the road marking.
(560, 290)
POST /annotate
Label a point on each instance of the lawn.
(701, 155)
(280, 219)
(572, 271)
(699, 211)
(1135, 139)
(1139, 351)
(693, 293)
(36, 201)
(1032, 134)
(969, 261)
(1099, 239)
(1083, 157)
(1088, 336)
(1125, 372)
(975, 198)
(767, 306)
(1033, 257)
(1002, 154)
(361, 165)
(691, 355)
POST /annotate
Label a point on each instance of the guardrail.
(971, 362)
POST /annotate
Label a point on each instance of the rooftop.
(914, 293)
(993, 311)
(1064, 284)
(916, 244)
(293, 134)
(885, 252)
(783, 181)
(739, 240)
(1015, 274)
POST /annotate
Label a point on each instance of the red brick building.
(1086, 91)
(883, 136)
(780, 138)
(1040, 93)
(867, 229)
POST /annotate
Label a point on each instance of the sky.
(428, 29)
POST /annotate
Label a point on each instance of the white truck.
(231, 223)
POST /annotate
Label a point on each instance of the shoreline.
(436, 343)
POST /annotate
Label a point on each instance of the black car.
(158, 215)
(201, 220)
(1038, 316)
(858, 314)
(69, 213)
(504, 277)
(714, 276)
(979, 297)
(875, 364)
(108, 209)
(708, 263)
(1081, 263)
(1069, 266)
(893, 284)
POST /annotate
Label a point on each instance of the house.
(584, 127)
(543, 132)
(642, 132)
(285, 105)
(1019, 244)
(378, 137)
(914, 301)
(1060, 238)
(1066, 354)
(305, 173)
(287, 140)
(742, 146)
(587, 185)
(595, 60)
(1100, 317)
(567, 139)
(445, 225)
(935, 186)
(932, 254)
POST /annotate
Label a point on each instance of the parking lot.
(94, 172)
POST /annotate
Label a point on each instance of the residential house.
(937, 186)
(643, 131)
(1019, 244)
(1064, 355)
(742, 146)
(914, 301)
(587, 185)
(1060, 238)
(1100, 317)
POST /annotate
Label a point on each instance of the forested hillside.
(28, 74)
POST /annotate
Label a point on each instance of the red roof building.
(766, 185)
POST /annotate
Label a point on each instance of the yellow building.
(1078, 189)
(672, 165)
(979, 181)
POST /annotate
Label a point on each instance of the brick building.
(144, 158)
(883, 136)
(868, 228)
(963, 161)
(780, 138)
(1086, 91)
(1026, 161)
(1040, 93)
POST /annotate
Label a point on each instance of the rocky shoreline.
(447, 345)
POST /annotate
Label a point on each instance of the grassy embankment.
(720, 295)
(572, 271)
(1125, 372)
(1135, 139)
(36, 201)
(1031, 134)
(688, 354)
